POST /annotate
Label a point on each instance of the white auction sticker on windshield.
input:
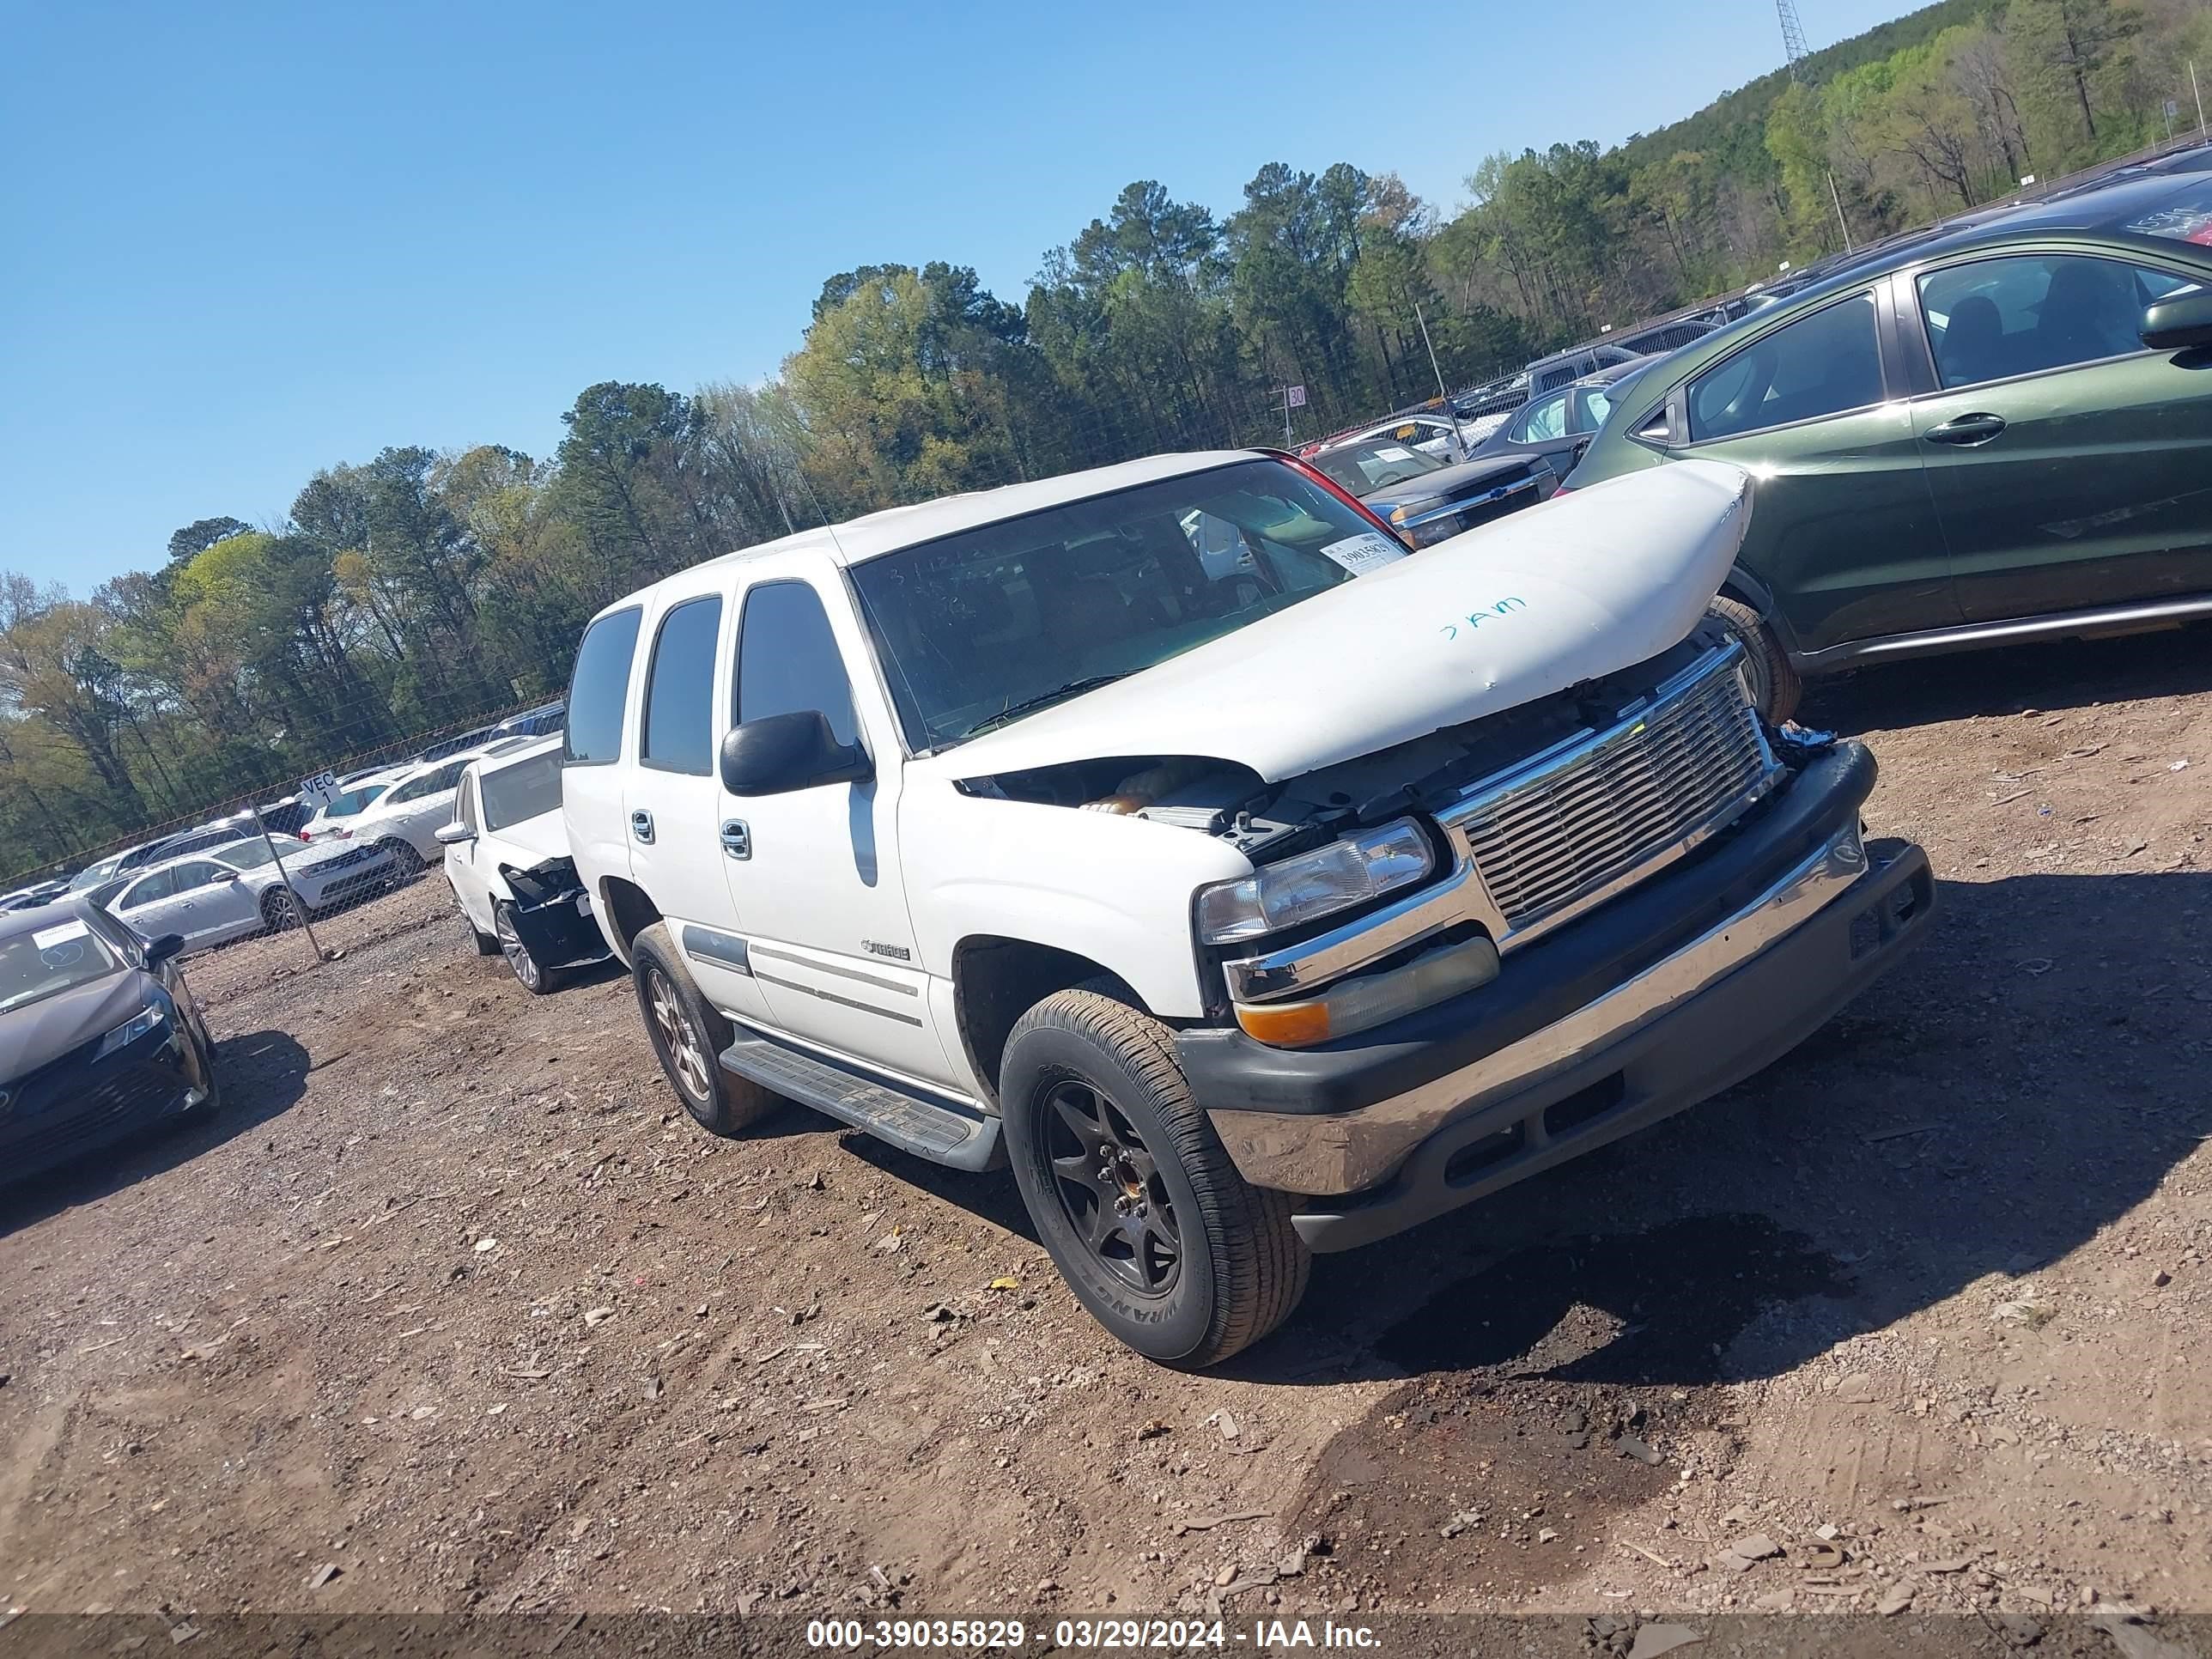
(46, 938)
(1369, 551)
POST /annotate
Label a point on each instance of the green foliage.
(419, 590)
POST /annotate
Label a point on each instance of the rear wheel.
(1775, 687)
(689, 1034)
(533, 975)
(1133, 1194)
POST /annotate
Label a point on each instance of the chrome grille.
(344, 860)
(1585, 820)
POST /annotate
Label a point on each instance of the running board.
(962, 1138)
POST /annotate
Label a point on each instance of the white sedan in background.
(229, 891)
(335, 818)
(506, 856)
(416, 804)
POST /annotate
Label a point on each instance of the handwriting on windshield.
(1476, 617)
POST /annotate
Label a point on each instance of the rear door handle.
(641, 826)
(1966, 431)
(737, 839)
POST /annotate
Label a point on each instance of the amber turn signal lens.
(1286, 1025)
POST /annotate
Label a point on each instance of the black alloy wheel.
(1109, 1184)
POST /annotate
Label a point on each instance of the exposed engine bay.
(1270, 821)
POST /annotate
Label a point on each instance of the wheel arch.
(998, 978)
(624, 910)
(1747, 588)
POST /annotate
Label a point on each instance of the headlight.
(149, 1018)
(1297, 889)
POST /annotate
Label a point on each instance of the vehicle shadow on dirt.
(262, 1074)
(2028, 1077)
(2054, 676)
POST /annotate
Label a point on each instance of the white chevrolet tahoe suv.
(1249, 906)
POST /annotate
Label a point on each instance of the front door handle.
(641, 826)
(1966, 431)
(737, 839)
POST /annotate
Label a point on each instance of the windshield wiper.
(1028, 705)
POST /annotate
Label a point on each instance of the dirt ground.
(454, 1299)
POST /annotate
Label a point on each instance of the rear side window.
(598, 689)
(1996, 318)
(679, 690)
(788, 661)
(1824, 364)
(161, 884)
(1543, 420)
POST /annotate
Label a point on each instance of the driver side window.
(1824, 364)
(788, 661)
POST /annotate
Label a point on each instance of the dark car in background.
(453, 745)
(539, 722)
(99, 1035)
(1427, 500)
(1999, 433)
(1557, 427)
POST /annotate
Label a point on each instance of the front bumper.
(1671, 992)
(78, 1105)
(560, 932)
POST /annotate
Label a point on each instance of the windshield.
(1375, 464)
(92, 874)
(1011, 614)
(44, 961)
(524, 790)
(244, 855)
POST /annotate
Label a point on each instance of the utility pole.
(2199, 94)
(299, 905)
(1841, 224)
(1443, 397)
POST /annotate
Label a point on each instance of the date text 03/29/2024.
(1099, 1635)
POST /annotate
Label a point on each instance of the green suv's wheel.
(1775, 687)
(689, 1036)
(1172, 1250)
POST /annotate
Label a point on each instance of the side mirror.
(779, 753)
(167, 948)
(455, 834)
(227, 876)
(2179, 324)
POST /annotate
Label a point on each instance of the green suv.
(1979, 435)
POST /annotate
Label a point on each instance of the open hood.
(546, 835)
(1512, 611)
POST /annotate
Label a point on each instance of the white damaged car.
(507, 858)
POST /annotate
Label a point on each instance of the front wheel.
(533, 975)
(1775, 687)
(406, 862)
(1169, 1248)
(280, 911)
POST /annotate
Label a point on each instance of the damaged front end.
(553, 914)
(1390, 882)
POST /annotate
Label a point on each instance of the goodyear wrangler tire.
(1775, 687)
(1133, 1194)
(689, 1037)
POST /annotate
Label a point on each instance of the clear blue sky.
(241, 241)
